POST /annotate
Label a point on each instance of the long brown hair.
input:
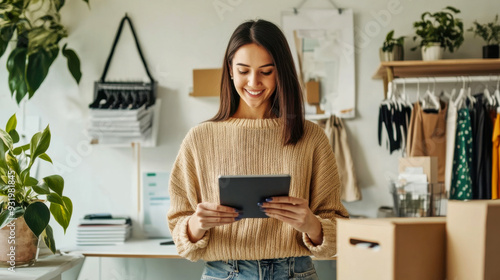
(287, 102)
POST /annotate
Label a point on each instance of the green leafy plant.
(440, 27)
(490, 32)
(390, 42)
(20, 194)
(35, 28)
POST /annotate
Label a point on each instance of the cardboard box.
(206, 82)
(430, 166)
(409, 249)
(312, 92)
(473, 240)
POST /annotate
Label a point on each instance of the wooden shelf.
(438, 68)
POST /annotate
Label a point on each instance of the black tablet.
(243, 192)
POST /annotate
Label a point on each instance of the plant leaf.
(38, 66)
(12, 162)
(17, 151)
(33, 144)
(6, 139)
(6, 217)
(73, 63)
(14, 135)
(45, 157)
(30, 181)
(48, 238)
(6, 33)
(58, 4)
(16, 64)
(55, 183)
(37, 217)
(11, 124)
(55, 198)
(62, 213)
(42, 145)
(41, 188)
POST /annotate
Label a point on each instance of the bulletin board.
(322, 45)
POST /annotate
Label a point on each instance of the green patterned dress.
(461, 183)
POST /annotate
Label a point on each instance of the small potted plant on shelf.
(490, 32)
(439, 31)
(24, 214)
(392, 48)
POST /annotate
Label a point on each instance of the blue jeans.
(273, 269)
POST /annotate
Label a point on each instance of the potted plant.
(490, 32)
(24, 215)
(438, 32)
(392, 48)
(36, 30)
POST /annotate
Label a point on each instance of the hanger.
(296, 9)
(460, 100)
(496, 94)
(433, 99)
(471, 98)
(487, 93)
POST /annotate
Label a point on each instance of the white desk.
(132, 248)
(137, 248)
(48, 267)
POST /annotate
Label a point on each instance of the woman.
(259, 129)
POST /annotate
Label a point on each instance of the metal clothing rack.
(296, 9)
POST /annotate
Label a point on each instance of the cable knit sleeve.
(325, 197)
(184, 188)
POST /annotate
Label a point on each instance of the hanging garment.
(384, 122)
(394, 118)
(451, 130)
(495, 182)
(461, 183)
(482, 129)
(337, 135)
(427, 135)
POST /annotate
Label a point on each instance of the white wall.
(178, 36)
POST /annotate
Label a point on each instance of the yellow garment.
(495, 184)
(253, 147)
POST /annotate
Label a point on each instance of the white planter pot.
(432, 52)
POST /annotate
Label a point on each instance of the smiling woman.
(258, 130)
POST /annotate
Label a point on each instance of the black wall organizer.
(124, 95)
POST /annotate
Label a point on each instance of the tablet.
(243, 192)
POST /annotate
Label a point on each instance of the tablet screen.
(243, 192)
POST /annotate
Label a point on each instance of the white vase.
(433, 51)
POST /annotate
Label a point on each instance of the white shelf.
(46, 268)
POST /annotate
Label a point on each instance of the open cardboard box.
(473, 240)
(408, 248)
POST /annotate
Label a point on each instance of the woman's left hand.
(295, 212)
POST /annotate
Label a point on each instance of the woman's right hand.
(207, 216)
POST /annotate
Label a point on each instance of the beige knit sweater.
(253, 147)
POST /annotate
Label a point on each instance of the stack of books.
(110, 126)
(103, 230)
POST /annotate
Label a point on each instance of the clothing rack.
(451, 79)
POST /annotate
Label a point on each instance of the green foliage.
(440, 27)
(390, 42)
(35, 28)
(20, 193)
(490, 32)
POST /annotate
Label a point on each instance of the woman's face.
(254, 77)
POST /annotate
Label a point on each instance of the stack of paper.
(116, 126)
(91, 232)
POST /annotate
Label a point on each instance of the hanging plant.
(35, 28)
